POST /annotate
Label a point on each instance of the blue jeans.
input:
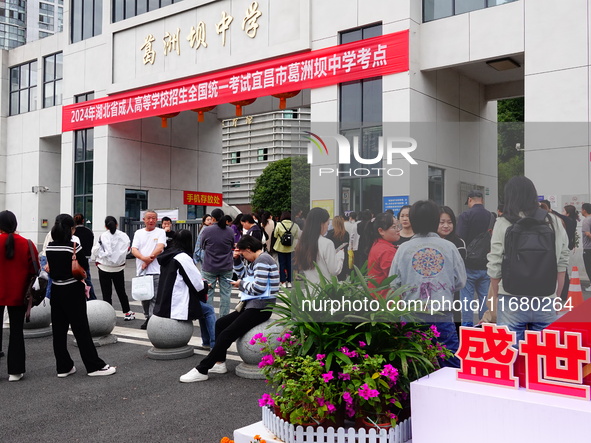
(284, 266)
(510, 313)
(207, 325)
(224, 278)
(477, 280)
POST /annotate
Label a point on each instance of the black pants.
(587, 261)
(107, 280)
(16, 340)
(228, 329)
(68, 307)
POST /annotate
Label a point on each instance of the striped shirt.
(59, 259)
(264, 272)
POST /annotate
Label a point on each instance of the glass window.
(52, 80)
(235, 157)
(262, 154)
(123, 9)
(83, 166)
(86, 19)
(469, 5)
(23, 88)
(436, 182)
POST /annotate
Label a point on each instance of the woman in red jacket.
(16, 267)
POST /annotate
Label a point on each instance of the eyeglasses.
(396, 227)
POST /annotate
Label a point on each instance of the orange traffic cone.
(575, 293)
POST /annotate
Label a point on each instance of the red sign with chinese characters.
(202, 198)
(373, 57)
(487, 355)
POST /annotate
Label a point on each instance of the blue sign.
(395, 203)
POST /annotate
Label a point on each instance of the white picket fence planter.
(297, 434)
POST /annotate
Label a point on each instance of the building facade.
(401, 99)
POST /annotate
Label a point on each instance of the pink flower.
(279, 351)
(265, 400)
(344, 376)
(347, 397)
(320, 356)
(327, 377)
(267, 360)
(391, 372)
(320, 401)
(435, 331)
(366, 392)
(331, 408)
(362, 344)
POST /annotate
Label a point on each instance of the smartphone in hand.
(340, 248)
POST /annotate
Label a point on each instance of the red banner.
(202, 198)
(373, 57)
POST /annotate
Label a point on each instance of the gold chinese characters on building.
(197, 36)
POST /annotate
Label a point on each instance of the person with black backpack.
(475, 227)
(527, 261)
(286, 233)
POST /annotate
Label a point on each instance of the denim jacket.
(431, 266)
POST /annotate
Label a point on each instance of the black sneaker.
(144, 325)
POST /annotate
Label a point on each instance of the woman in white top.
(110, 254)
(315, 249)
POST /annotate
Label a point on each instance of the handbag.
(78, 271)
(142, 287)
(37, 286)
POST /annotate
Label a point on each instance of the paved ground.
(142, 402)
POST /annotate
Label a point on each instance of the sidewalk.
(142, 402)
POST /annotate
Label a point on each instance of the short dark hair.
(547, 203)
(249, 242)
(424, 217)
(586, 207)
(165, 218)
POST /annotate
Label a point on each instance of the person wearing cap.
(471, 223)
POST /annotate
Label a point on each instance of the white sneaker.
(129, 316)
(15, 377)
(193, 375)
(588, 288)
(65, 374)
(219, 368)
(288, 284)
(107, 370)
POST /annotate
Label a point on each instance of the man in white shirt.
(147, 244)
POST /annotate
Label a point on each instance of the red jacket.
(15, 273)
(379, 261)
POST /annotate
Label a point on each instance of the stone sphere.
(251, 354)
(40, 316)
(101, 317)
(166, 333)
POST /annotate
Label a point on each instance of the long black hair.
(306, 252)
(111, 223)
(62, 230)
(218, 215)
(183, 240)
(8, 224)
(520, 196)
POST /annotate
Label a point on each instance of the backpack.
(479, 248)
(286, 238)
(529, 261)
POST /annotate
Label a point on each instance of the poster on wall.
(395, 203)
(325, 204)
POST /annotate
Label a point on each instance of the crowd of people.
(430, 254)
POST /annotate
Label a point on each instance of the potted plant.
(304, 392)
